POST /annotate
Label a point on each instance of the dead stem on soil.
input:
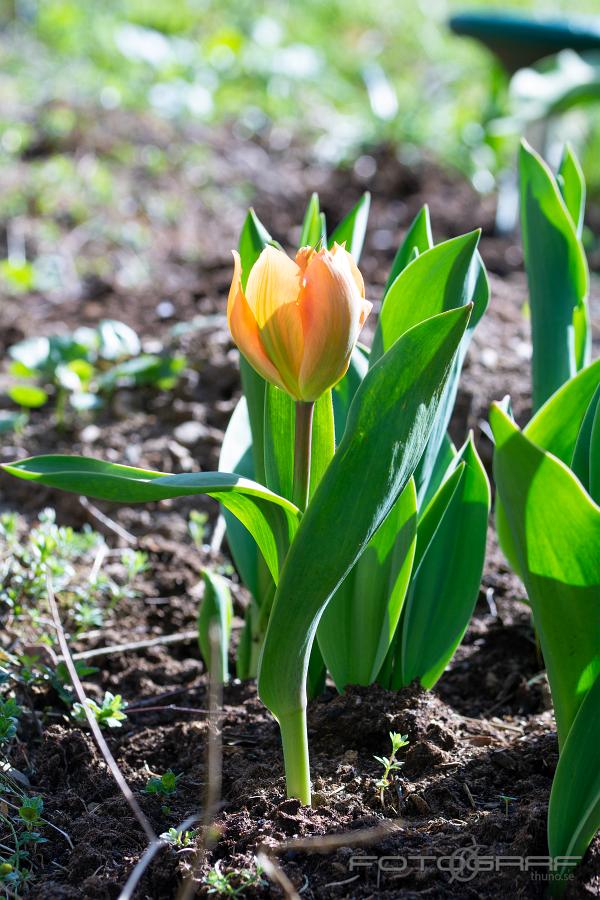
(99, 517)
(214, 773)
(95, 728)
(326, 843)
(273, 870)
(147, 857)
(179, 638)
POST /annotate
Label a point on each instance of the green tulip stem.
(295, 755)
(302, 448)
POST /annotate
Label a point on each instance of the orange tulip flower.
(297, 322)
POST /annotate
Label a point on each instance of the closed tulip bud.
(297, 322)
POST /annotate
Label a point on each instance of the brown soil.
(485, 733)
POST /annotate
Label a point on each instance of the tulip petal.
(333, 311)
(274, 280)
(354, 270)
(272, 291)
(244, 328)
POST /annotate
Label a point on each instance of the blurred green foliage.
(343, 72)
(111, 154)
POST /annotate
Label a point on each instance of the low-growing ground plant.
(80, 371)
(390, 764)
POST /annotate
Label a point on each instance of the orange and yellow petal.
(274, 280)
(244, 329)
(333, 311)
(340, 249)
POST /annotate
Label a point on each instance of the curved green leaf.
(215, 609)
(574, 810)
(446, 580)
(360, 621)
(312, 227)
(557, 275)
(236, 456)
(271, 520)
(555, 532)
(434, 282)
(388, 426)
(353, 227)
(571, 183)
(418, 236)
(555, 428)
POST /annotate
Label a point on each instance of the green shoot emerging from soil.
(165, 784)
(109, 715)
(234, 882)
(390, 764)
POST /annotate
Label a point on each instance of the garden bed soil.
(482, 749)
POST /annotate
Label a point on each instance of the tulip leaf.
(447, 276)
(352, 229)
(236, 456)
(215, 611)
(312, 228)
(418, 236)
(436, 281)
(387, 429)
(439, 469)
(557, 274)
(595, 458)
(574, 809)
(344, 391)
(585, 455)
(280, 418)
(272, 520)
(555, 428)
(571, 183)
(359, 622)
(447, 576)
(555, 533)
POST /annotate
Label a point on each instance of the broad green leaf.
(215, 611)
(272, 520)
(359, 622)
(555, 531)
(571, 183)
(446, 453)
(316, 674)
(445, 585)
(344, 391)
(445, 277)
(312, 227)
(280, 418)
(387, 428)
(236, 456)
(555, 428)
(595, 458)
(583, 462)
(418, 236)
(557, 275)
(353, 227)
(254, 237)
(574, 810)
(434, 282)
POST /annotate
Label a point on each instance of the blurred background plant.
(99, 102)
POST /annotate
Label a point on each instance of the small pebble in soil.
(189, 433)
